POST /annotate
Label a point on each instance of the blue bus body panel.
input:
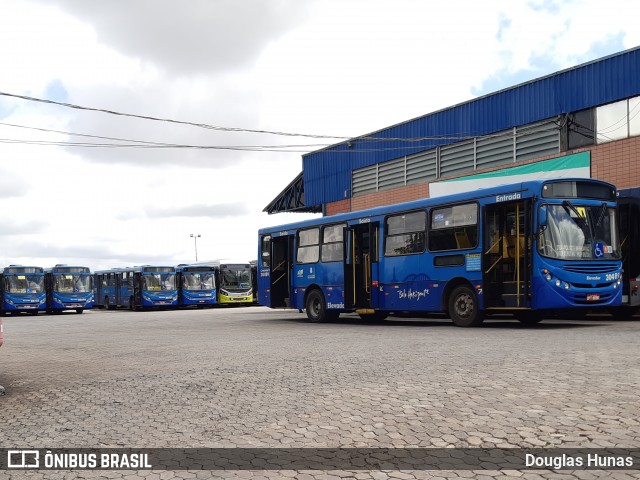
(24, 302)
(71, 301)
(198, 297)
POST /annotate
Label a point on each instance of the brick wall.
(616, 162)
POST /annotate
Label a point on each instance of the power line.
(450, 136)
(169, 120)
(457, 137)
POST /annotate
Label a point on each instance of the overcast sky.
(317, 67)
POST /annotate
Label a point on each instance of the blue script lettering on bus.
(508, 197)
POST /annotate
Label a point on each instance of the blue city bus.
(23, 289)
(68, 288)
(529, 249)
(196, 285)
(136, 287)
(629, 210)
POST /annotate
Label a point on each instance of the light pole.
(195, 242)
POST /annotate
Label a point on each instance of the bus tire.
(79, 310)
(107, 305)
(463, 307)
(316, 307)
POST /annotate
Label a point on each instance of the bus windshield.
(158, 281)
(198, 280)
(72, 283)
(580, 232)
(24, 283)
(236, 277)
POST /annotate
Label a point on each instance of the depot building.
(579, 122)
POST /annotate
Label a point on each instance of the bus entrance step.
(512, 288)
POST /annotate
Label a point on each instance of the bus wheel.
(317, 308)
(463, 307)
(107, 305)
(79, 310)
(529, 317)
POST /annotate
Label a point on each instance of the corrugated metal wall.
(327, 173)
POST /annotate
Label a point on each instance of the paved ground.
(254, 377)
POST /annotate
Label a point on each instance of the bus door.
(361, 266)
(629, 209)
(506, 262)
(281, 264)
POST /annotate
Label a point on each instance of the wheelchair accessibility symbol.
(598, 250)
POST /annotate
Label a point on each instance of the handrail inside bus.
(278, 265)
(497, 242)
(280, 277)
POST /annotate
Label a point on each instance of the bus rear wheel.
(317, 308)
(107, 305)
(463, 307)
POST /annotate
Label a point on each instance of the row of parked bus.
(533, 249)
(34, 289)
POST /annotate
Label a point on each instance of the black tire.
(529, 317)
(463, 307)
(623, 312)
(317, 308)
(79, 310)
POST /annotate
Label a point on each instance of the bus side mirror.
(542, 217)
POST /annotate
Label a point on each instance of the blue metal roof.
(327, 172)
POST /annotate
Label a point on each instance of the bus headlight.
(565, 285)
(558, 282)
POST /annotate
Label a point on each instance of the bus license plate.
(593, 297)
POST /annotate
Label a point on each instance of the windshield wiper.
(603, 210)
(568, 206)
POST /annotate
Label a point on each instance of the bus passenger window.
(332, 243)
(454, 228)
(265, 251)
(308, 246)
(405, 234)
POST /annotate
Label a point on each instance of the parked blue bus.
(196, 285)
(528, 249)
(136, 287)
(629, 209)
(68, 288)
(23, 289)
